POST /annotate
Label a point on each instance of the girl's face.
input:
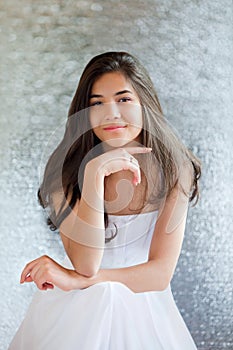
(115, 110)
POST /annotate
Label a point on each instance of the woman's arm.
(156, 274)
(83, 231)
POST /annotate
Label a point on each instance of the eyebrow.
(116, 94)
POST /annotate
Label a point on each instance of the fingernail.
(136, 181)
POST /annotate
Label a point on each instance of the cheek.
(94, 123)
(96, 131)
(94, 120)
(134, 116)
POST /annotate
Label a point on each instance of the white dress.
(107, 315)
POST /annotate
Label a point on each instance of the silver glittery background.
(187, 48)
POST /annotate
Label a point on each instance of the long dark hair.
(65, 167)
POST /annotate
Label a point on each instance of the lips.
(114, 127)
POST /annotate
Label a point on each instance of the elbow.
(86, 265)
(164, 275)
(165, 281)
(87, 270)
(163, 285)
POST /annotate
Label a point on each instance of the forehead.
(112, 81)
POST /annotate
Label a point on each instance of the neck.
(121, 196)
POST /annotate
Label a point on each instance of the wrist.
(93, 188)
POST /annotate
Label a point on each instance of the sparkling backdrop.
(187, 48)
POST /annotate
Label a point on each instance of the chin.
(116, 143)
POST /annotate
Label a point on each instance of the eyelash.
(125, 99)
(96, 103)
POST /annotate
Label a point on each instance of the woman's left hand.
(47, 273)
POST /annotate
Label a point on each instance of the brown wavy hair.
(65, 167)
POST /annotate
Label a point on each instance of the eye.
(95, 103)
(125, 99)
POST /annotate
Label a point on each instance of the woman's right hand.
(117, 160)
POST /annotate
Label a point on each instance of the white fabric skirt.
(108, 315)
(105, 316)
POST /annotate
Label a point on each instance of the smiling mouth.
(114, 127)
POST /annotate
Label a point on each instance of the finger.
(31, 276)
(47, 285)
(41, 276)
(40, 280)
(31, 265)
(132, 165)
(33, 270)
(27, 269)
(28, 279)
(137, 173)
(42, 286)
(137, 150)
(124, 163)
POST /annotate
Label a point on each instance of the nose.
(111, 111)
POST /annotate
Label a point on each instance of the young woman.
(118, 188)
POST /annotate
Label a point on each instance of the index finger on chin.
(135, 150)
